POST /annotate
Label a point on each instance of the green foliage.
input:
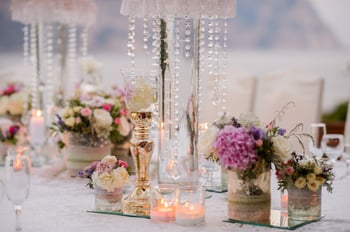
(338, 114)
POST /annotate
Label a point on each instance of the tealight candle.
(190, 214)
(163, 213)
(190, 207)
(17, 164)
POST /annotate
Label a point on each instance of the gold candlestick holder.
(141, 145)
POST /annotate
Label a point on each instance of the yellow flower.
(313, 186)
(69, 121)
(77, 109)
(320, 179)
(310, 177)
(300, 183)
(317, 170)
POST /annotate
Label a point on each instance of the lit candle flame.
(38, 113)
(17, 164)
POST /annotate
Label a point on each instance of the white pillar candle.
(37, 129)
(190, 214)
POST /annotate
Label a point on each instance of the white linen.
(60, 204)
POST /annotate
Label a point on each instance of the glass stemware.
(333, 147)
(17, 180)
(317, 131)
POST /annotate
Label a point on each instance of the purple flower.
(257, 133)
(281, 131)
(235, 148)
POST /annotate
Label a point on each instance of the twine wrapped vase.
(249, 199)
(83, 149)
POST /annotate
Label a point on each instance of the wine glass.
(17, 180)
(1, 189)
(317, 131)
(347, 158)
(333, 147)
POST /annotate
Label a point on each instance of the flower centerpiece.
(247, 148)
(107, 177)
(13, 100)
(10, 135)
(303, 178)
(92, 122)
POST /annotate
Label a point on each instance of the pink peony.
(86, 112)
(235, 148)
(107, 107)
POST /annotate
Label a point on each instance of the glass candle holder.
(163, 200)
(190, 205)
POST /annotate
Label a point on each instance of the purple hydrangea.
(257, 133)
(235, 148)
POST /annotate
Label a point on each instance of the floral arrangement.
(12, 100)
(103, 115)
(108, 174)
(245, 145)
(12, 134)
(303, 173)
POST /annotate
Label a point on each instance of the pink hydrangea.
(235, 148)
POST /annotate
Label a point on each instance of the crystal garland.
(131, 42)
(34, 64)
(72, 53)
(224, 69)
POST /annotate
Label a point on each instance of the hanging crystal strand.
(210, 59)
(217, 81)
(84, 41)
(33, 61)
(224, 68)
(72, 51)
(49, 75)
(26, 45)
(131, 42)
(187, 37)
(145, 33)
(156, 44)
(201, 64)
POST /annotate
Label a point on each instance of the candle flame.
(38, 113)
(191, 208)
(17, 164)
(166, 204)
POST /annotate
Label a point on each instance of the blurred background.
(265, 37)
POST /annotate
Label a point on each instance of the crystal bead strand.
(49, 71)
(84, 41)
(72, 51)
(176, 86)
(131, 42)
(156, 44)
(210, 59)
(26, 45)
(201, 64)
(33, 61)
(224, 68)
(187, 37)
(216, 63)
(145, 33)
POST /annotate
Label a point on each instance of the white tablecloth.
(61, 203)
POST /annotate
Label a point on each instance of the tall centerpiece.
(140, 98)
(187, 39)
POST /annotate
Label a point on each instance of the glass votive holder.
(163, 200)
(190, 205)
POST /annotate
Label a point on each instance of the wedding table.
(60, 203)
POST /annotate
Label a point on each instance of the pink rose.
(123, 164)
(107, 107)
(289, 171)
(85, 112)
(117, 121)
(259, 143)
(122, 112)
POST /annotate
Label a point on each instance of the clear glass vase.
(83, 149)
(304, 204)
(108, 201)
(250, 199)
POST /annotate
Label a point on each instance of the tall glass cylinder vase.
(249, 199)
(140, 98)
(178, 105)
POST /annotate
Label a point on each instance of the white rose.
(110, 159)
(66, 112)
(69, 121)
(16, 103)
(282, 148)
(4, 101)
(120, 175)
(102, 123)
(124, 126)
(247, 119)
(206, 140)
